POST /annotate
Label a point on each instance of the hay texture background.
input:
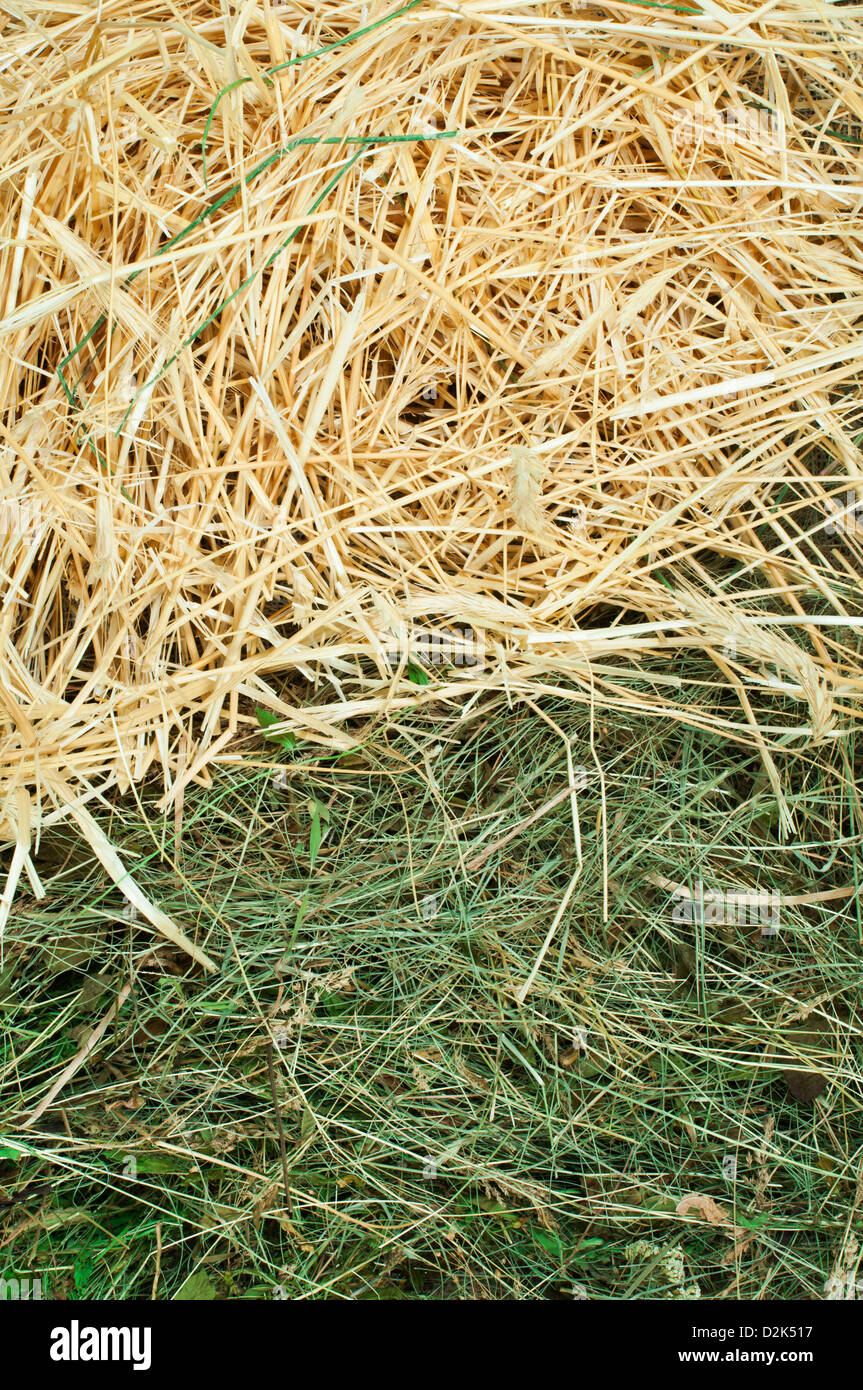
(543, 319)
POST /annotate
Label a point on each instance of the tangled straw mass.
(323, 322)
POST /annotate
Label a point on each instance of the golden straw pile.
(520, 318)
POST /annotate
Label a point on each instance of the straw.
(327, 330)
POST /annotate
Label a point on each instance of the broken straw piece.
(113, 865)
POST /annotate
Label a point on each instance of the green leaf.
(267, 719)
(197, 1289)
(753, 1223)
(416, 674)
(315, 836)
(82, 1271)
(550, 1242)
(161, 1163)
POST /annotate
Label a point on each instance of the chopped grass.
(443, 1140)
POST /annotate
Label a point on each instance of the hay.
(543, 320)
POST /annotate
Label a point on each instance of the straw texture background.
(543, 319)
